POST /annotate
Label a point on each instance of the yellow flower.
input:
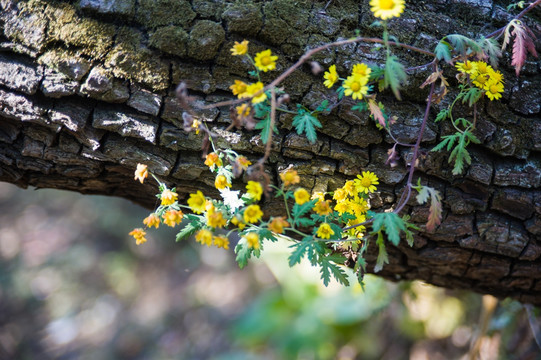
(277, 225)
(195, 125)
(482, 67)
(240, 48)
(252, 90)
(387, 9)
(212, 160)
(359, 230)
(349, 188)
(362, 70)
(320, 195)
(252, 239)
(252, 214)
(221, 182)
(265, 61)
(221, 242)
(243, 110)
(139, 236)
(359, 206)
(197, 202)
(168, 197)
(152, 220)
(244, 162)
(255, 190)
(366, 182)
(141, 173)
(290, 177)
(331, 77)
(339, 194)
(301, 196)
(495, 75)
(239, 88)
(355, 86)
(480, 80)
(494, 90)
(322, 208)
(204, 237)
(235, 221)
(342, 207)
(215, 219)
(468, 67)
(172, 217)
(324, 231)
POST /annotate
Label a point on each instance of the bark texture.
(87, 92)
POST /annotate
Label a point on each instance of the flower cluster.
(483, 76)
(355, 85)
(263, 61)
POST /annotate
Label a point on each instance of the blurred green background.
(73, 285)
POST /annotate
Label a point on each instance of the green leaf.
(188, 230)
(337, 231)
(340, 92)
(262, 110)
(395, 75)
(391, 223)
(243, 253)
(324, 106)
(266, 234)
(361, 106)
(472, 96)
(305, 122)
(264, 126)
(443, 51)
(300, 210)
(304, 222)
(434, 215)
(442, 115)
(307, 246)
(491, 48)
(328, 268)
(383, 257)
(464, 45)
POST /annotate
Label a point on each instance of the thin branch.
(518, 17)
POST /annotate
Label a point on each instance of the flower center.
(265, 60)
(366, 182)
(386, 4)
(355, 86)
(481, 79)
(493, 89)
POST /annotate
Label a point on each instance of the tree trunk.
(87, 92)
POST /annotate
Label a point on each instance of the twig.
(519, 16)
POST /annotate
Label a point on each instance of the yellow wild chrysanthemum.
(362, 70)
(387, 9)
(239, 88)
(215, 219)
(324, 231)
(301, 196)
(252, 214)
(204, 237)
(290, 177)
(244, 162)
(235, 221)
(243, 110)
(467, 67)
(322, 208)
(349, 188)
(366, 182)
(339, 194)
(172, 217)
(240, 48)
(493, 90)
(141, 173)
(355, 86)
(252, 90)
(221, 182)
(197, 202)
(139, 236)
(252, 239)
(168, 197)
(152, 220)
(265, 61)
(342, 207)
(331, 77)
(277, 225)
(212, 160)
(255, 190)
(221, 242)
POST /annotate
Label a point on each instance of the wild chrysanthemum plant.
(333, 228)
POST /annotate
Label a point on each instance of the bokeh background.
(73, 285)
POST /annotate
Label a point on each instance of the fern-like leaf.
(395, 75)
(434, 214)
(522, 44)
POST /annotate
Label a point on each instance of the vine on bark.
(329, 233)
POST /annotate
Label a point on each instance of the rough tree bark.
(87, 92)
